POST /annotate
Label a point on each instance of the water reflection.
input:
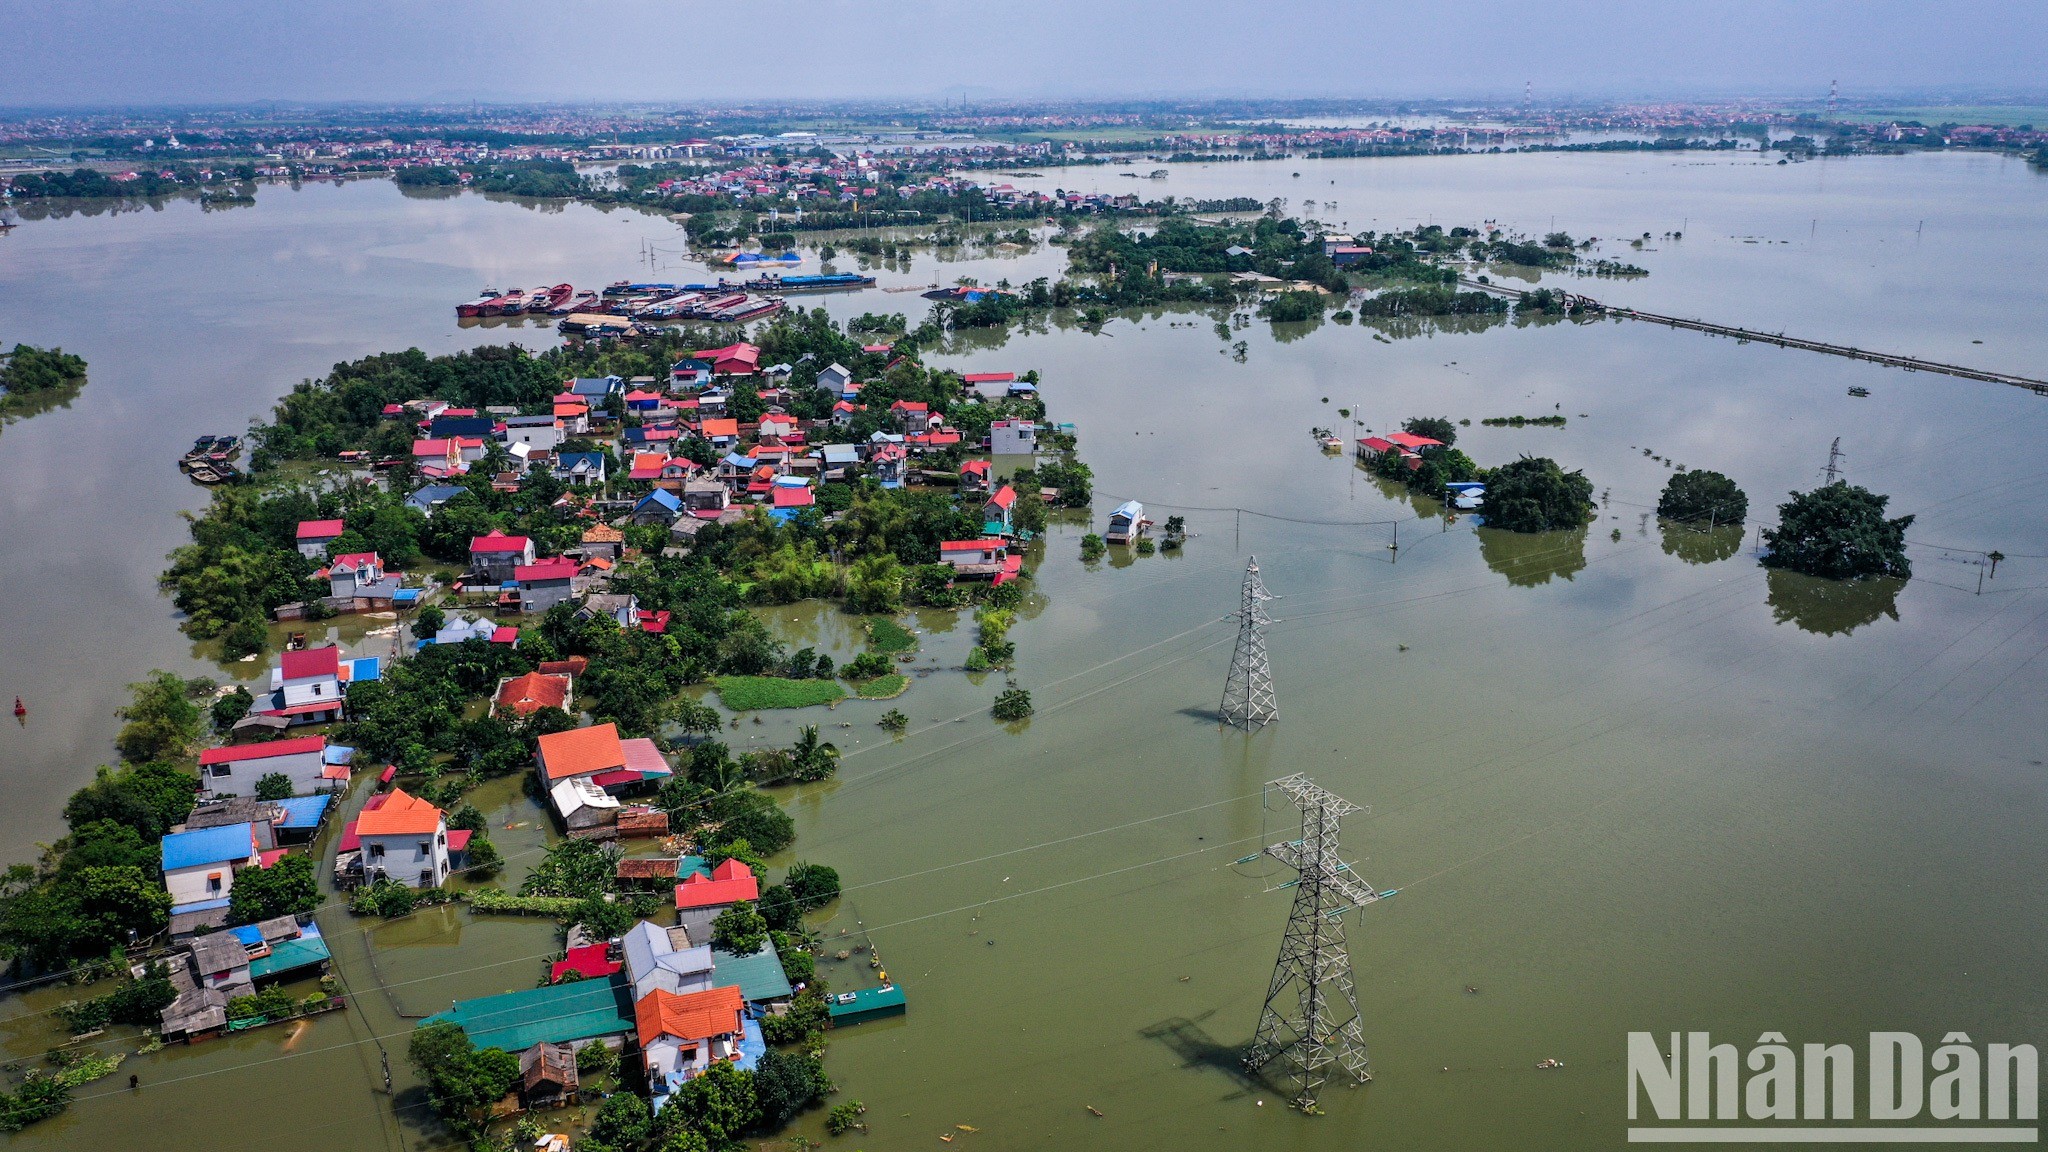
(1698, 545)
(1288, 331)
(1528, 559)
(1409, 327)
(1831, 607)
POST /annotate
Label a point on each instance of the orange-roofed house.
(404, 838)
(580, 752)
(525, 695)
(721, 431)
(680, 1035)
(729, 883)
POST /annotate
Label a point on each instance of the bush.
(1012, 704)
(867, 666)
(1534, 495)
(386, 897)
(286, 888)
(785, 1083)
(807, 1019)
(274, 786)
(229, 709)
(594, 1060)
(845, 1117)
(1703, 496)
(1092, 547)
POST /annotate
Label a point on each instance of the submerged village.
(553, 557)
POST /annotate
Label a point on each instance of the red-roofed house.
(235, 769)
(316, 535)
(729, 883)
(741, 359)
(654, 623)
(1414, 443)
(525, 695)
(647, 466)
(974, 476)
(591, 961)
(1376, 445)
(975, 557)
(305, 686)
(998, 508)
(545, 583)
(354, 575)
(793, 498)
(911, 416)
(493, 557)
(438, 458)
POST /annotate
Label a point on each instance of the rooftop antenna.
(1248, 699)
(1318, 1024)
(1834, 470)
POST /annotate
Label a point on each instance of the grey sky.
(202, 51)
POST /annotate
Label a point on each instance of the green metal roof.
(556, 1014)
(759, 976)
(863, 1003)
(289, 955)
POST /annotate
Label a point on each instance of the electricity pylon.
(1311, 1013)
(1248, 699)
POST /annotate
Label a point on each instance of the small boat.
(20, 709)
(1331, 444)
(1859, 390)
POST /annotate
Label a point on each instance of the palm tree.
(813, 759)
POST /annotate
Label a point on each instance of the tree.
(120, 900)
(286, 888)
(1534, 495)
(428, 621)
(623, 1120)
(1012, 704)
(463, 1081)
(696, 719)
(149, 798)
(875, 584)
(814, 885)
(1435, 427)
(274, 786)
(163, 722)
(718, 1104)
(754, 817)
(228, 710)
(785, 1083)
(813, 759)
(1697, 497)
(739, 930)
(1839, 532)
(779, 908)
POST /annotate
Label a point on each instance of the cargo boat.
(770, 282)
(475, 307)
(554, 301)
(510, 304)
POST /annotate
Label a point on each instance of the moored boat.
(472, 308)
(558, 299)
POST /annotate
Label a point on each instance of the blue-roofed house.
(659, 507)
(301, 818)
(689, 373)
(429, 498)
(450, 427)
(595, 388)
(200, 866)
(580, 467)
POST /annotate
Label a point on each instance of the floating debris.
(1097, 1111)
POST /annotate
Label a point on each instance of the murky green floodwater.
(1623, 784)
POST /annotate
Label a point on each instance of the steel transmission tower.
(1834, 468)
(1311, 1015)
(1248, 699)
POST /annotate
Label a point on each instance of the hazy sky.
(201, 51)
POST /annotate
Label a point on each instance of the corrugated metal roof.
(556, 1014)
(209, 846)
(759, 976)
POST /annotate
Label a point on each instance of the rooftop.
(225, 844)
(581, 751)
(555, 1014)
(234, 753)
(401, 814)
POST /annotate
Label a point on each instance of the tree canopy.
(1839, 531)
(1699, 496)
(1533, 494)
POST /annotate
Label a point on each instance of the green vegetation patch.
(886, 635)
(750, 693)
(883, 687)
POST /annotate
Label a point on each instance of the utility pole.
(1834, 469)
(1248, 699)
(1311, 1014)
(1833, 91)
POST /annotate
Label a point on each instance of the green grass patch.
(751, 693)
(889, 637)
(883, 687)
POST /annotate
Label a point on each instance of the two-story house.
(657, 961)
(833, 379)
(997, 510)
(494, 557)
(680, 1036)
(541, 433)
(580, 468)
(911, 417)
(1013, 438)
(305, 687)
(545, 583)
(316, 535)
(406, 839)
(355, 575)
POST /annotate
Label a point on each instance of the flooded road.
(1624, 779)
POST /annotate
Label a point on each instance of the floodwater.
(1624, 779)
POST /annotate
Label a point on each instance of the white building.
(1013, 438)
(234, 770)
(200, 866)
(404, 838)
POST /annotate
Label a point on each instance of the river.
(1624, 779)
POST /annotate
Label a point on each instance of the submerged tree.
(1839, 531)
(1533, 494)
(1703, 497)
